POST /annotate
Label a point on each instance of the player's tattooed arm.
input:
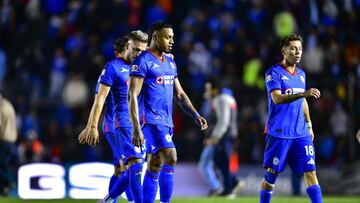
(186, 105)
(279, 98)
(135, 85)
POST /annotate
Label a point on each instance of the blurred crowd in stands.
(52, 52)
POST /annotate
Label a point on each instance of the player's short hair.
(157, 26)
(138, 35)
(119, 44)
(215, 84)
(285, 41)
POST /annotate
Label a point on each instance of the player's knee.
(154, 164)
(134, 161)
(122, 166)
(169, 156)
(310, 178)
(171, 160)
(117, 170)
(269, 179)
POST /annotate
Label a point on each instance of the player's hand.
(201, 122)
(137, 137)
(313, 92)
(358, 135)
(311, 133)
(83, 136)
(93, 137)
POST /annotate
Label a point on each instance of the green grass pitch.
(327, 199)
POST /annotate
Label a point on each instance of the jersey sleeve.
(138, 67)
(107, 77)
(173, 65)
(272, 81)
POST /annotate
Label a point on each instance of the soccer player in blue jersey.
(153, 77)
(288, 129)
(113, 85)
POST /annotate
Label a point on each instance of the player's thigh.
(128, 150)
(158, 137)
(302, 156)
(275, 154)
(114, 143)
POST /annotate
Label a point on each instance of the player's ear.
(156, 37)
(283, 51)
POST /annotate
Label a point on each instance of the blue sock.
(135, 181)
(150, 186)
(113, 180)
(314, 193)
(120, 185)
(166, 182)
(265, 196)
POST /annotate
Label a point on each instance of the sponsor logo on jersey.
(165, 80)
(289, 91)
(160, 80)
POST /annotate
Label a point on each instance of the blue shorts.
(115, 146)
(123, 147)
(299, 153)
(157, 137)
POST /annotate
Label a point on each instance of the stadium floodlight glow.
(41, 181)
(89, 180)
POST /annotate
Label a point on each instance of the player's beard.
(163, 50)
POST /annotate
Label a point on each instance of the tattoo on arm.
(185, 104)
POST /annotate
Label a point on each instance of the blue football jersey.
(156, 96)
(108, 124)
(286, 120)
(116, 75)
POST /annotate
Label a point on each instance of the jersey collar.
(291, 73)
(162, 59)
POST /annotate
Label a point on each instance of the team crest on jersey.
(276, 161)
(302, 79)
(134, 68)
(172, 65)
(268, 78)
(168, 138)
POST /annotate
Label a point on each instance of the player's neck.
(289, 67)
(124, 57)
(152, 48)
